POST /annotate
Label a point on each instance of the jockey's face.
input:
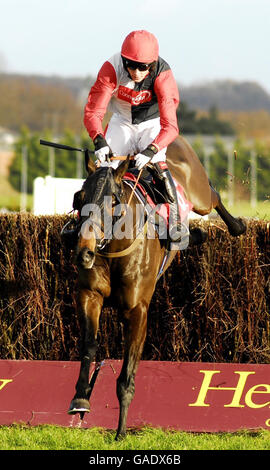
(138, 75)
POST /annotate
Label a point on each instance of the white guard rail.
(54, 195)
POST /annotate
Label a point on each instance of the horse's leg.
(190, 173)
(236, 226)
(90, 304)
(135, 322)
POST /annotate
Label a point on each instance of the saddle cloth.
(163, 208)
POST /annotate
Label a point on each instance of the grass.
(48, 437)
(244, 209)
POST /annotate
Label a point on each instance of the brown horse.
(127, 271)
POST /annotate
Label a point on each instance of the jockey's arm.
(168, 99)
(98, 100)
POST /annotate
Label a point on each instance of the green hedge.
(212, 305)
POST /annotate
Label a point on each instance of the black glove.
(150, 151)
(145, 156)
(102, 150)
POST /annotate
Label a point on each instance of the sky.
(202, 40)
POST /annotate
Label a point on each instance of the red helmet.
(140, 46)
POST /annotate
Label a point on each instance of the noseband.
(71, 231)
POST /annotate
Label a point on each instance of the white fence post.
(253, 179)
(23, 196)
(230, 177)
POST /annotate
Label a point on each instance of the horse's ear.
(89, 164)
(121, 170)
(78, 199)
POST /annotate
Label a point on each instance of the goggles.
(130, 64)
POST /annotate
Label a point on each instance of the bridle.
(71, 229)
(103, 242)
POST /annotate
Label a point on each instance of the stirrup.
(182, 242)
(175, 229)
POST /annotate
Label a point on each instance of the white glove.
(141, 160)
(102, 153)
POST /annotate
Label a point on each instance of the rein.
(127, 251)
(134, 187)
(135, 243)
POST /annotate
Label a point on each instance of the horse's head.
(101, 191)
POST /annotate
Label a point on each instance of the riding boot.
(176, 229)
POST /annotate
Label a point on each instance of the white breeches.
(125, 138)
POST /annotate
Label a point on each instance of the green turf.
(20, 437)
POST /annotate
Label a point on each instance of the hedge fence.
(212, 305)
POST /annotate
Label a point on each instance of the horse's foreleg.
(135, 332)
(236, 226)
(90, 304)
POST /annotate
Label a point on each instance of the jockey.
(138, 88)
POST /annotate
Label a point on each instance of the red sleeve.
(98, 99)
(168, 99)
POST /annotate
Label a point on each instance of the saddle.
(151, 186)
(150, 193)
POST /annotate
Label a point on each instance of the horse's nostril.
(88, 255)
(85, 258)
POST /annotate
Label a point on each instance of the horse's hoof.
(197, 236)
(79, 405)
(238, 228)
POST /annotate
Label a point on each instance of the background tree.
(190, 123)
(219, 167)
(262, 152)
(186, 119)
(211, 124)
(38, 157)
